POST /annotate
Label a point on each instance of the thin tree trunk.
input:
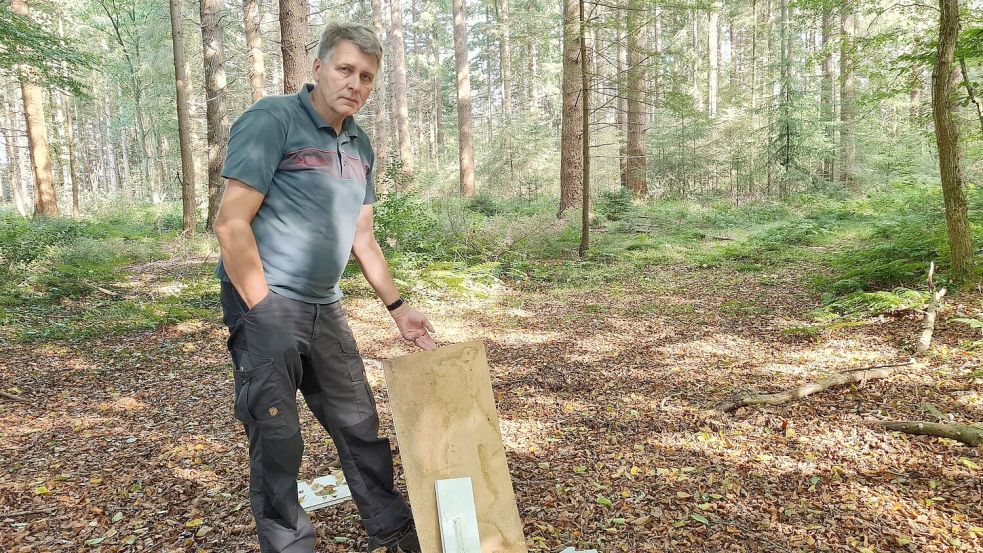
(294, 37)
(184, 115)
(13, 155)
(112, 166)
(72, 163)
(438, 101)
(213, 51)
(379, 118)
(827, 91)
(622, 103)
(45, 201)
(463, 99)
(971, 91)
(398, 44)
(713, 48)
(944, 75)
(848, 139)
(505, 56)
(254, 43)
(636, 105)
(572, 124)
(585, 136)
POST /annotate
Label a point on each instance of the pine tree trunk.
(184, 116)
(571, 123)
(112, 165)
(505, 56)
(254, 44)
(622, 103)
(294, 37)
(463, 99)
(400, 89)
(827, 91)
(213, 50)
(45, 202)
(438, 101)
(713, 48)
(944, 76)
(636, 105)
(379, 119)
(848, 139)
(585, 134)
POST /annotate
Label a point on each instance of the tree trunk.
(13, 156)
(399, 85)
(254, 43)
(463, 99)
(112, 165)
(294, 37)
(213, 50)
(827, 91)
(571, 123)
(622, 103)
(636, 104)
(585, 135)
(713, 48)
(184, 116)
(72, 164)
(505, 56)
(438, 98)
(785, 103)
(379, 118)
(944, 75)
(848, 139)
(45, 202)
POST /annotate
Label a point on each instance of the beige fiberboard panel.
(447, 427)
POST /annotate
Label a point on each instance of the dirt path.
(128, 442)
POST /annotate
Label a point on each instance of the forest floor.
(605, 388)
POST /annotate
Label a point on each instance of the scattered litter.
(323, 492)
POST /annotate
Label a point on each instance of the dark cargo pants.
(282, 345)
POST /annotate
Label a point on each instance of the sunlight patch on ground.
(125, 404)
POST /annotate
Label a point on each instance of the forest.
(724, 257)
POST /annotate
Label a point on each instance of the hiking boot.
(404, 540)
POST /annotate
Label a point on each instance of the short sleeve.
(256, 144)
(370, 180)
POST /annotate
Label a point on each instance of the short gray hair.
(362, 36)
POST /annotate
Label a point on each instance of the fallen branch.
(25, 513)
(8, 395)
(928, 325)
(854, 376)
(965, 433)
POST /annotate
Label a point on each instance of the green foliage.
(613, 206)
(872, 304)
(23, 41)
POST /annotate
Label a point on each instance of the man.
(298, 201)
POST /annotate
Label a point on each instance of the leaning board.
(447, 427)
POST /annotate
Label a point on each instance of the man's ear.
(315, 69)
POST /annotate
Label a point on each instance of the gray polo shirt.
(315, 183)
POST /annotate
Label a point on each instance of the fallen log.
(968, 434)
(854, 376)
(14, 397)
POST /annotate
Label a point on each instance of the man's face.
(343, 82)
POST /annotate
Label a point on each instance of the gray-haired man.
(298, 202)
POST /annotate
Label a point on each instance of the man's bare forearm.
(240, 256)
(373, 264)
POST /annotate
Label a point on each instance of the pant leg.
(266, 345)
(339, 395)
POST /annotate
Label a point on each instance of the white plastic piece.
(457, 516)
(571, 549)
(322, 492)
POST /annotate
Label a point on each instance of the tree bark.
(636, 104)
(294, 38)
(571, 123)
(254, 44)
(585, 135)
(944, 75)
(184, 116)
(505, 56)
(966, 434)
(379, 118)
(713, 48)
(45, 202)
(213, 50)
(848, 115)
(400, 89)
(13, 155)
(465, 148)
(827, 90)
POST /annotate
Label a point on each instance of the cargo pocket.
(364, 402)
(256, 401)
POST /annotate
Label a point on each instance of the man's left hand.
(414, 327)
